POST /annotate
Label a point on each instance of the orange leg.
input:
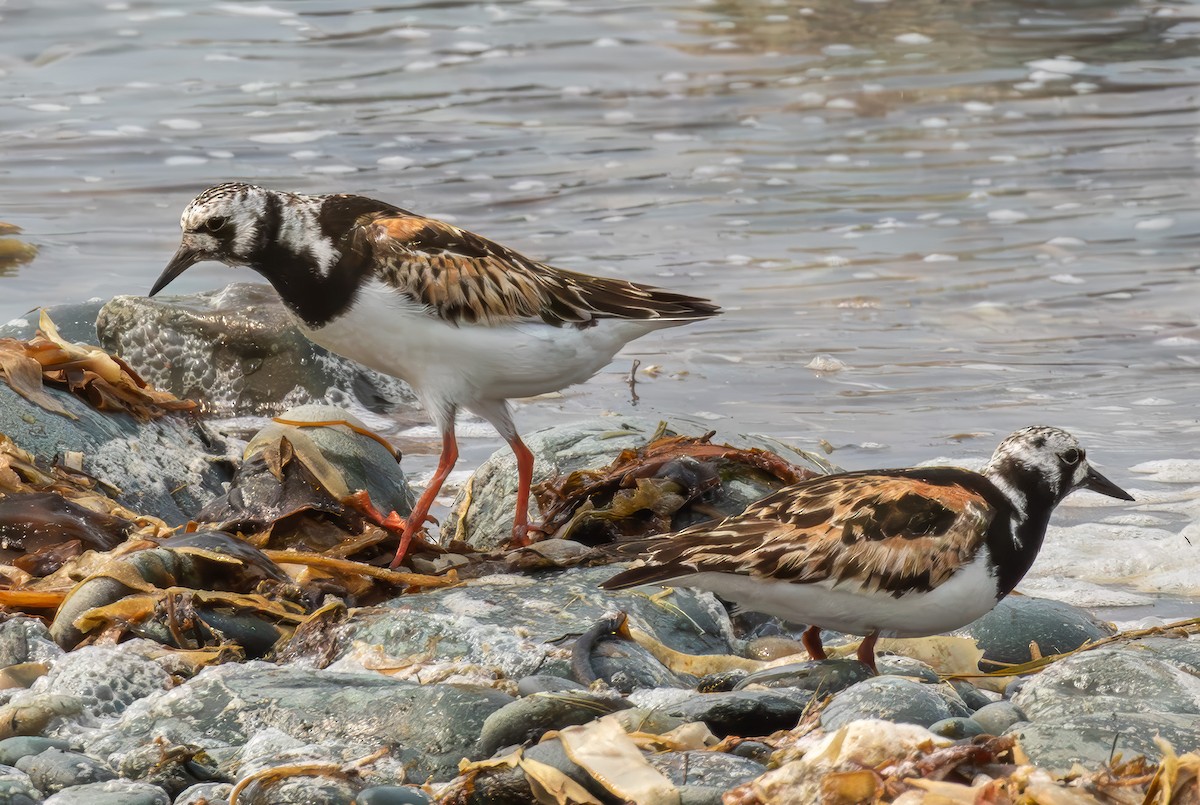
(866, 652)
(420, 512)
(520, 532)
(812, 642)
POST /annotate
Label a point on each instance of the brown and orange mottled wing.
(463, 278)
(886, 532)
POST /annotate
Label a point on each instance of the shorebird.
(468, 323)
(896, 552)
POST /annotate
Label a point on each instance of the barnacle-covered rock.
(237, 351)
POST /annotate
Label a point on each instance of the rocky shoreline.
(268, 657)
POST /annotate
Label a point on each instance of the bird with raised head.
(898, 552)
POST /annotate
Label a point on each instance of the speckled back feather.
(467, 279)
(891, 531)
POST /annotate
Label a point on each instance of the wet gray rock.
(1004, 634)
(392, 795)
(271, 750)
(56, 769)
(76, 321)
(237, 351)
(626, 666)
(896, 665)
(427, 728)
(114, 792)
(13, 749)
(592, 444)
(544, 683)
(527, 719)
(24, 639)
(703, 777)
(893, 699)
(1093, 740)
(1109, 680)
(997, 717)
(106, 679)
(523, 624)
(1081, 706)
(298, 790)
(747, 713)
(166, 468)
(972, 696)
(17, 789)
(205, 794)
(818, 676)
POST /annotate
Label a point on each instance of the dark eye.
(1071, 457)
(216, 223)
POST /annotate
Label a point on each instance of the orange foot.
(525, 534)
(393, 522)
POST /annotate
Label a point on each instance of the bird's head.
(1055, 460)
(223, 223)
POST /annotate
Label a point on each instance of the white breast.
(471, 362)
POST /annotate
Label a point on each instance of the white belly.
(470, 363)
(967, 595)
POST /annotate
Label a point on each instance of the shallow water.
(929, 223)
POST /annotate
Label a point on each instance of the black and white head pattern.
(234, 222)
(1041, 461)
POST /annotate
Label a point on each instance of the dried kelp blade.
(104, 381)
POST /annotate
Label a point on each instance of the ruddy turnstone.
(899, 553)
(468, 323)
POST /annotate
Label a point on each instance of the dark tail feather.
(645, 574)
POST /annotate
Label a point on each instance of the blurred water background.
(930, 223)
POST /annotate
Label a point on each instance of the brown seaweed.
(105, 381)
(645, 491)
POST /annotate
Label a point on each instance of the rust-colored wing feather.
(463, 278)
(883, 531)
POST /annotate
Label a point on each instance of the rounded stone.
(972, 696)
(107, 679)
(545, 683)
(527, 719)
(757, 751)
(205, 794)
(819, 676)
(1108, 681)
(54, 770)
(392, 795)
(996, 717)
(956, 728)
(17, 789)
(896, 665)
(24, 640)
(13, 749)
(704, 777)
(1004, 634)
(112, 792)
(745, 713)
(720, 681)
(1015, 685)
(892, 699)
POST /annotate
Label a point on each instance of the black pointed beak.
(1098, 483)
(186, 257)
